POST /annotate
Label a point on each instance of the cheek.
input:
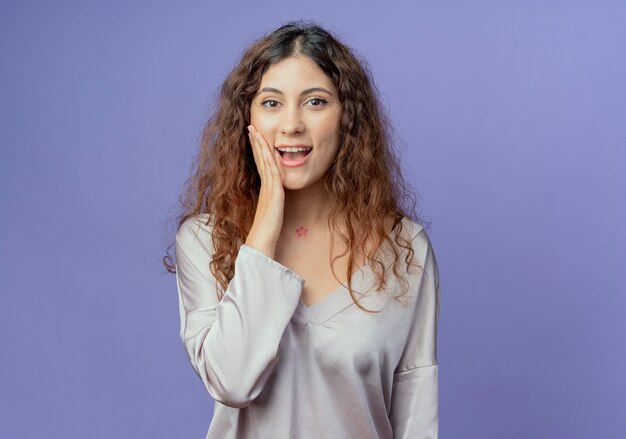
(328, 129)
(261, 122)
(264, 125)
(254, 117)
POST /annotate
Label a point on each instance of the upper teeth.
(293, 149)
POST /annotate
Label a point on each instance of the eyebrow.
(308, 90)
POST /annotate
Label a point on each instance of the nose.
(291, 121)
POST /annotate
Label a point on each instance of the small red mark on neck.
(302, 231)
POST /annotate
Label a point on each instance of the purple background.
(513, 117)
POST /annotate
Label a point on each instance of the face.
(297, 104)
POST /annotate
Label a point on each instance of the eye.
(322, 101)
(268, 101)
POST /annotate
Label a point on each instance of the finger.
(255, 153)
(260, 161)
(259, 146)
(277, 160)
(273, 169)
(267, 161)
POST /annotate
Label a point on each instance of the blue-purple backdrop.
(513, 118)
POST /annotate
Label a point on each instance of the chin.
(291, 185)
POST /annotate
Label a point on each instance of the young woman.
(309, 299)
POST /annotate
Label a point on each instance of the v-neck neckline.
(336, 290)
(333, 303)
(337, 300)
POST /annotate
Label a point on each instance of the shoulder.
(194, 236)
(412, 227)
(419, 239)
(415, 233)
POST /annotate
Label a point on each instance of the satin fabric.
(277, 368)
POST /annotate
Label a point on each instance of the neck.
(307, 207)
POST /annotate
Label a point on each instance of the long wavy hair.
(365, 182)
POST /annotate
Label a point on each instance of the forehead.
(294, 74)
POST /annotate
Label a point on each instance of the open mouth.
(295, 155)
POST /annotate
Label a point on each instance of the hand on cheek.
(263, 148)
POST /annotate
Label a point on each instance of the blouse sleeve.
(232, 344)
(414, 407)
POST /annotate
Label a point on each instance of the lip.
(294, 163)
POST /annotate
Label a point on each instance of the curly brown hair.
(365, 182)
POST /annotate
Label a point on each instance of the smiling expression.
(297, 104)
